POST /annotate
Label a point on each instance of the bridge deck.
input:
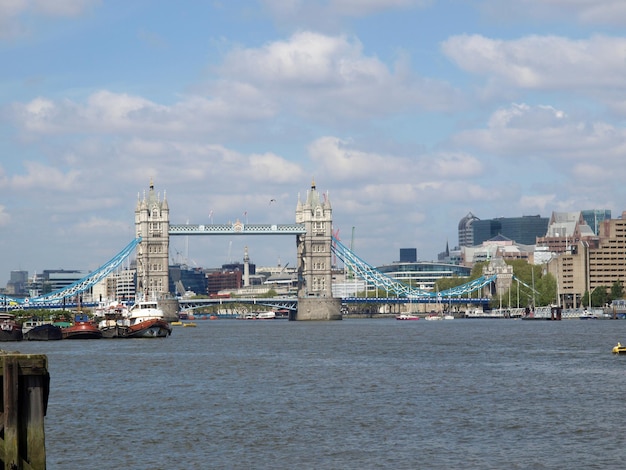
(237, 228)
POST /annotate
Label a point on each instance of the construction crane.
(352, 241)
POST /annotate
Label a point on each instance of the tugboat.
(115, 323)
(82, 328)
(10, 330)
(147, 320)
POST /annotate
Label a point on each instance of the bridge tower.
(152, 220)
(315, 296)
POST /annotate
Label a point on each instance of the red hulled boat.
(82, 328)
(147, 321)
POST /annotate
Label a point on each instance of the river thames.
(353, 394)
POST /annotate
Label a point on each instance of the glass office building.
(595, 217)
(523, 230)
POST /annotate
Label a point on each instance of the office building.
(466, 232)
(523, 230)
(595, 217)
(408, 255)
(591, 263)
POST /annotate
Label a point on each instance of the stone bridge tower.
(152, 221)
(315, 296)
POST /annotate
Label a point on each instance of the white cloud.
(13, 11)
(542, 203)
(525, 116)
(543, 62)
(330, 76)
(5, 217)
(327, 14)
(345, 162)
(41, 177)
(544, 131)
(326, 78)
(106, 112)
(610, 12)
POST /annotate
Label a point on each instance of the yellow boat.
(176, 323)
(189, 324)
(619, 349)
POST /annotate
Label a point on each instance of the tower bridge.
(313, 231)
(315, 245)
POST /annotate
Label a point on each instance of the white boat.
(433, 317)
(271, 315)
(147, 320)
(587, 315)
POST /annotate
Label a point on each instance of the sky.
(409, 114)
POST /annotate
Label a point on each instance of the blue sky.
(409, 113)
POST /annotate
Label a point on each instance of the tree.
(617, 290)
(585, 299)
(599, 296)
(547, 289)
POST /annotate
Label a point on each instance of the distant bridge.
(401, 293)
(291, 303)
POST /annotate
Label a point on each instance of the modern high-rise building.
(595, 217)
(408, 255)
(466, 233)
(523, 230)
(18, 283)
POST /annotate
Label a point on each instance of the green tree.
(617, 290)
(546, 286)
(599, 296)
(584, 301)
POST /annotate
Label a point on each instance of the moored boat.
(82, 328)
(115, 323)
(619, 349)
(147, 320)
(587, 315)
(10, 329)
(45, 331)
(433, 316)
(407, 316)
(271, 315)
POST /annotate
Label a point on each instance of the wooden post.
(25, 388)
(9, 388)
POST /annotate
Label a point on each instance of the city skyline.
(408, 114)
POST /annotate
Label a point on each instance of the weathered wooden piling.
(24, 395)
